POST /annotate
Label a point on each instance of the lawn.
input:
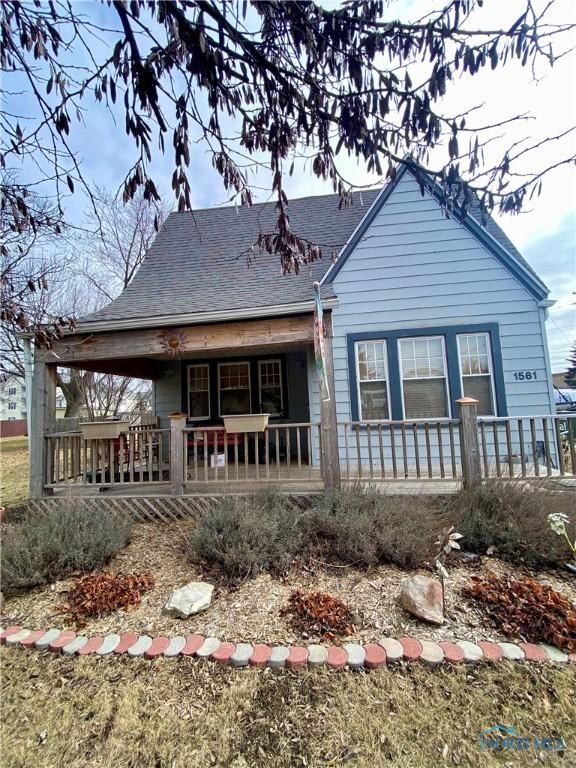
(13, 470)
(181, 714)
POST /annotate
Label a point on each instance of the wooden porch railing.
(281, 453)
(140, 456)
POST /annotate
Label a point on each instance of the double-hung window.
(476, 370)
(372, 378)
(424, 377)
(234, 388)
(198, 391)
(270, 387)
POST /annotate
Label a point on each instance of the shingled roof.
(198, 263)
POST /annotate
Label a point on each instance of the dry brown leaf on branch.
(103, 592)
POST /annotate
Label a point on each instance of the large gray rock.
(193, 598)
(422, 597)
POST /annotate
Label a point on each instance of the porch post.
(330, 459)
(177, 463)
(469, 445)
(42, 408)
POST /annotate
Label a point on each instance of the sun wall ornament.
(173, 342)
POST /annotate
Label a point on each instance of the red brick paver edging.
(350, 656)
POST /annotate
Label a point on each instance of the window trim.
(359, 381)
(198, 418)
(218, 379)
(446, 376)
(279, 362)
(490, 367)
(454, 385)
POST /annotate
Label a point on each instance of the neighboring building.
(12, 399)
(422, 309)
(559, 380)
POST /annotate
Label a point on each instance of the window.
(234, 388)
(11, 390)
(476, 370)
(270, 387)
(198, 392)
(424, 381)
(11, 406)
(372, 379)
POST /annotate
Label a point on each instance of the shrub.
(45, 547)
(526, 608)
(511, 518)
(363, 527)
(244, 535)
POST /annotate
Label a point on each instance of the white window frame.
(384, 342)
(420, 378)
(490, 368)
(199, 418)
(279, 363)
(234, 362)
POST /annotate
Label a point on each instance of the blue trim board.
(449, 332)
(537, 289)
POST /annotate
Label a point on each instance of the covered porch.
(200, 374)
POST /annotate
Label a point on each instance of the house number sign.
(525, 375)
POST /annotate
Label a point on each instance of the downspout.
(28, 371)
(543, 307)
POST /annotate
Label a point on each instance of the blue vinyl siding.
(412, 269)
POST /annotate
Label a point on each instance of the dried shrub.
(363, 527)
(101, 593)
(525, 608)
(244, 535)
(511, 518)
(48, 546)
(318, 613)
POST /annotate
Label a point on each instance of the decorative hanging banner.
(319, 351)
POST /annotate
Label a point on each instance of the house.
(420, 310)
(12, 399)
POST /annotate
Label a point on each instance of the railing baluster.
(309, 442)
(559, 446)
(440, 449)
(452, 449)
(416, 449)
(121, 458)
(381, 450)
(428, 451)
(393, 450)
(66, 447)
(205, 435)
(112, 452)
(571, 442)
(57, 461)
(404, 451)
(288, 452)
(547, 446)
(369, 439)
(484, 449)
(256, 457)
(246, 455)
(347, 451)
(358, 452)
(534, 451)
(299, 451)
(509, 449)
(225, 456)
(236, 463)
(522, 451)
(277, 440)
(497, 448)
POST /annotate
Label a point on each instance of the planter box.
(246, 422)
(103, 430)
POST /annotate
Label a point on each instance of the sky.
(545, 232)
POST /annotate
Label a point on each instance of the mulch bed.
(252, 610)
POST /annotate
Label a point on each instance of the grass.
(13, 470)
(111, 712)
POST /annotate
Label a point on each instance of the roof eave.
(199, 318)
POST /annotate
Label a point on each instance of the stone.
(127, 640)
(337, 657)
(533, 652)
(109, 644)
(175, 647)
(242, 655)
(297, 657)
(17, 637)
(193, 642)
(208, 647)
(140, 646)
(375, 656)
(317, 655)
(411, 648)
(260, 655)
(29, 641)
(422, 597)
(278, 656)
(63, 639)
(432, 653)
(472, 652)
(356, 655)
(157, 648)
(9, 631)
(453, 654)
(393, 648)
(223, 653)
(47, 638)
(192, 598)
(491, 651)
(91, 645)
(512, 652)
(73, 647)
(554, 654)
